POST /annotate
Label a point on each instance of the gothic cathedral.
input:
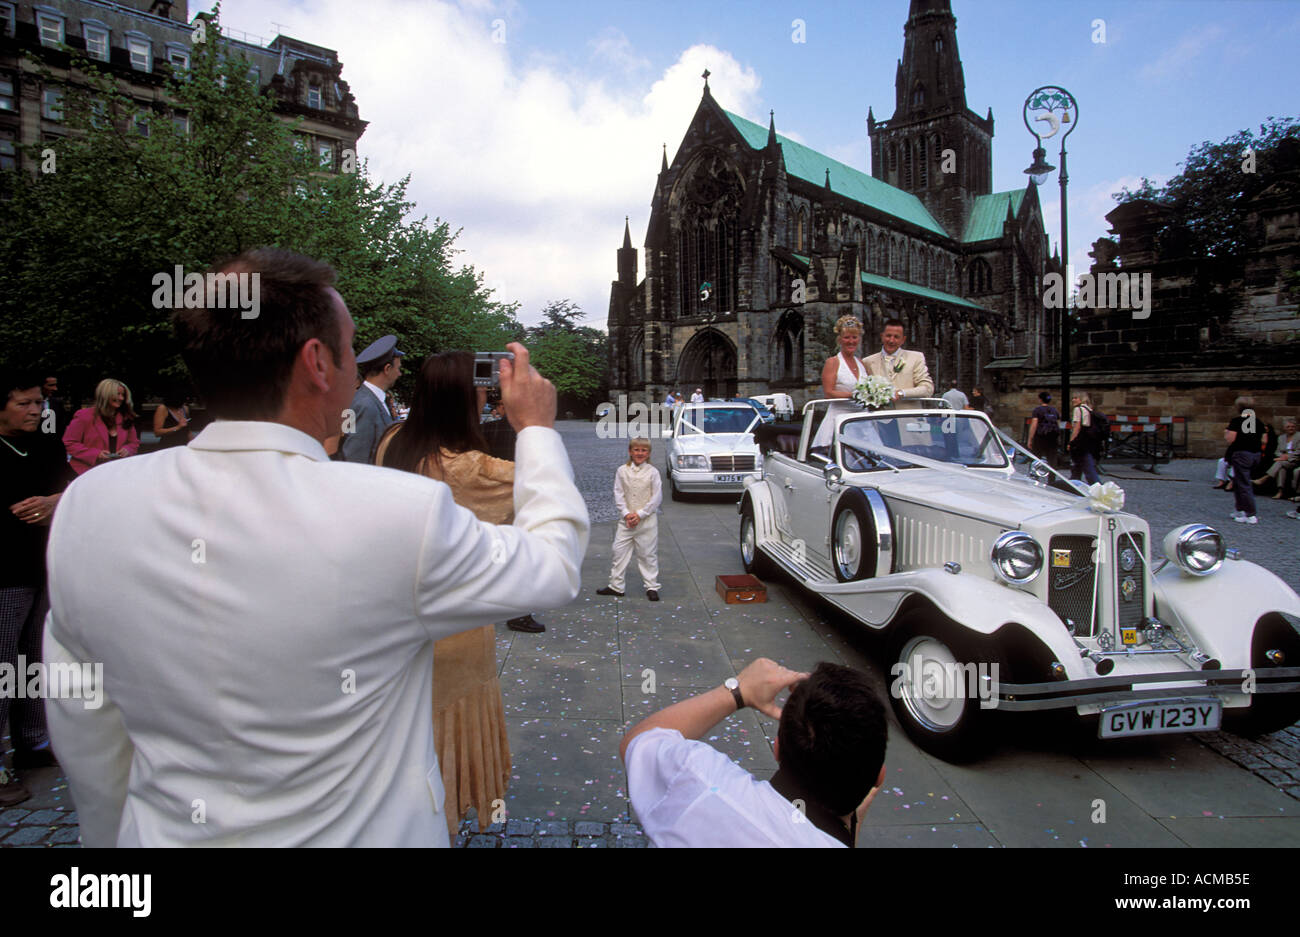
(757, 244)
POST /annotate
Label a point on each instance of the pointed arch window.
(893, 158)
(907, 164)
(918, 95)
(981, 276)
(938, 43)
(922, 164)
(800, 227)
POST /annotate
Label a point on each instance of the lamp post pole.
(1053, 107)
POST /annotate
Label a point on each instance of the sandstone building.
(756, 244)
(140, 42)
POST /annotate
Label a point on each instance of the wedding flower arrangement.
(872, 392)
(1106, 499)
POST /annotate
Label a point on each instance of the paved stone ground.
(571, 692)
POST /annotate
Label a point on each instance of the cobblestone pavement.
(572, 691)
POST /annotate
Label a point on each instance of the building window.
(922, 164)
(141, 124)
(98, 115)
(981, 276)
(7, 100)
(140, 48)
(50, 26)
(254, 76)
(313, 96)
(918, 96)
(938, 43)
(181, 124)
(52, 104)
(6, 19)
(96, 41)
(326, 152)
(178, 57)
(907, 164)
(800, 224)
(8, 151)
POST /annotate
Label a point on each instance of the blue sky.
(536, 126)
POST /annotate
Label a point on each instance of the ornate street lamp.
(1055, 108)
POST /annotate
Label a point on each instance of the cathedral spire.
(664, 166)
(930, 77)
(627, 235)
(771, 128)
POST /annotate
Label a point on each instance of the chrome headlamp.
(1017, 558)
(693, 462)
(1197, 549)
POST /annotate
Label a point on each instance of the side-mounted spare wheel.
(939, 673)
(862, 536)
(755, 561)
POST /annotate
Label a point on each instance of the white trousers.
(645, 538)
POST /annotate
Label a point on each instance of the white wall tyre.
(754, 560)
(934, 693)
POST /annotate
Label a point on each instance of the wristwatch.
(732, 684)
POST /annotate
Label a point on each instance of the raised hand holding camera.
(530, 399)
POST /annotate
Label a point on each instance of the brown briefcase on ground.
(738, 589)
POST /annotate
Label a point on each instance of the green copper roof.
(807, 164)
(988, 214)
(871, 279)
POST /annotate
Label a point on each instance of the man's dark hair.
(17, 380)
(897, 322)
(1044, 396)
(832, 736)
(242, 366)
(377, 366)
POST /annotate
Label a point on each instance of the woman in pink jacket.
(105, 431)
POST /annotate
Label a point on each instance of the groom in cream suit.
(264, 617)
(906, 370)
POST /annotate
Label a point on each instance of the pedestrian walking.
(1083, 446)
(1045, 430)
(638, 492)
(1244, 441)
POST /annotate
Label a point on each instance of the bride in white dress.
(840, 375)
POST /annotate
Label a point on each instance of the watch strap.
(740, 700)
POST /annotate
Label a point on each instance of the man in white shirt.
(830, 750)
(698, 396)
(261, 619)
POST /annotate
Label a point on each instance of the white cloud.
(1182, 54)
(536, 161)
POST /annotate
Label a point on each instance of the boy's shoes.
(525, 623)
(608, 591)
(37, 758)
(1243, 519)
(652, 595)
(1237, 515)
(11, 790)
(1294, 515)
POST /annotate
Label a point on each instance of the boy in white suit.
(638, 492)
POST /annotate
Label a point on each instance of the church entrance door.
(709, 361)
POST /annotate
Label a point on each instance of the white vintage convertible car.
(713, 449)
(1002, 590)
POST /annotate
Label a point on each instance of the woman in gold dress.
(441, 439)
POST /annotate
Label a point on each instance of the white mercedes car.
(713, 449)
(1001, 590)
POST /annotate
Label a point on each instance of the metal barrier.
(1149, 439)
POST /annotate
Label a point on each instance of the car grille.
(732, 463)
(1070, 587)
(1130, 609)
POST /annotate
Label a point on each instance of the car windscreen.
(950, 437)
(720, 419)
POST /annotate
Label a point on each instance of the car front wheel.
(754, 560)
(935, 687)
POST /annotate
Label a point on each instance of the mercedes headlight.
(693, 462)
(1017, 558)
(1197, 549)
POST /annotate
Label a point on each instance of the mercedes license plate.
(727, 479)
(1160, 717)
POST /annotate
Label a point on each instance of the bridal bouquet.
(873, 392)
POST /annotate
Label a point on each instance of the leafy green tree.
(135, 190)
(1209, 197)
(573, 357)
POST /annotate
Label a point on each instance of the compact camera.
(487, 367)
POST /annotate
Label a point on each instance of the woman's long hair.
(105, 391)
(444, 414)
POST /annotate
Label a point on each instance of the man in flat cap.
(381, 365)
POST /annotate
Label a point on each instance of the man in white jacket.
(264, 617)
